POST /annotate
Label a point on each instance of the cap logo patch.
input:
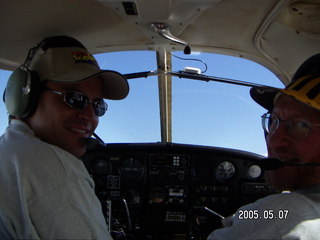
(84, 57)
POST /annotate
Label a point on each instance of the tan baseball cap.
(65, 59)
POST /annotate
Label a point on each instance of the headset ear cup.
(33, 95)
(21, 93)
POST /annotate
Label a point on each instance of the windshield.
(203, 113)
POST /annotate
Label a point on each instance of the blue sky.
(204, 113)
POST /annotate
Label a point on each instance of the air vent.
(130, 8)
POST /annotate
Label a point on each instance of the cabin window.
(203, 113)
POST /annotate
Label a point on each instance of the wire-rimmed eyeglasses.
(298, 128)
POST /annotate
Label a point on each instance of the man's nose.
(88, 112)
(279, 137)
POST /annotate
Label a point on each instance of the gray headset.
(21, 95)
(22, 91)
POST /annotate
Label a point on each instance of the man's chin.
(78, 152)
(278, 180)
(289, 178)
(81, 148)
(78, 149)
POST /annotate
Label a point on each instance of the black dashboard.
(172, 191)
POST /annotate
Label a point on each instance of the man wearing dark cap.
(55, 100)
(292, 130)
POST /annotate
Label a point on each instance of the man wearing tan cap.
(292, 130)
(54, 100)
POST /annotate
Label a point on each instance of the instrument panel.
(172, 191)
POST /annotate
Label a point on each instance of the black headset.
(22, 92)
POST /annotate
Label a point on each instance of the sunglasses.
(78, 100)
(297, 128)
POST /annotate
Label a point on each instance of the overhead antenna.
(164, 31)
(190, 69)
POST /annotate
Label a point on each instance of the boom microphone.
(94, 142)
(274, 164)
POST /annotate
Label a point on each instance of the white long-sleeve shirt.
(45, 192)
